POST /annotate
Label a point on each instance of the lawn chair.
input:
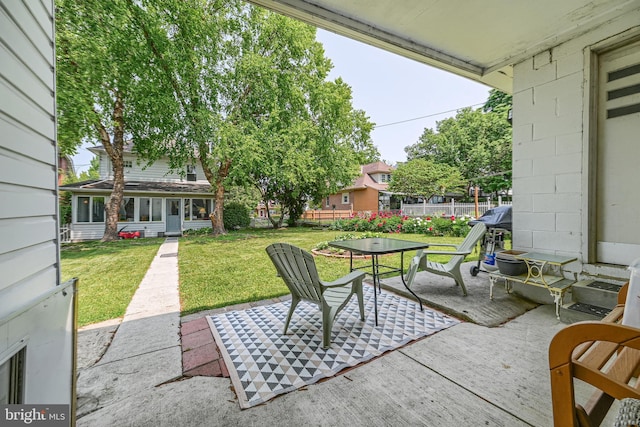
(298, 270)
(452, 268)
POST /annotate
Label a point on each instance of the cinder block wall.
(550, 146)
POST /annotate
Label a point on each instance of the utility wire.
(427, 116)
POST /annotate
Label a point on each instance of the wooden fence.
(326, 215)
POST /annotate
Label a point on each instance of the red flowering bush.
(388, 222)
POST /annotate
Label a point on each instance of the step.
(596, 293)
(578, 312)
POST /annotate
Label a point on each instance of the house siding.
(366, 200)
(158, 171)
(29, 248)
(551, 148)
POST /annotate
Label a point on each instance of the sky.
(390, 89)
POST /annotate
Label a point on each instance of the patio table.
(375, 247)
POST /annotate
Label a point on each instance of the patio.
(469, 374)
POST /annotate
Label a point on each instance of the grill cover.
(498, 217)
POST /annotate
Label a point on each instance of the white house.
(37, 338)
(573, 67)
(156, 202)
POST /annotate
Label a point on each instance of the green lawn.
(108, 273)
(214, 271)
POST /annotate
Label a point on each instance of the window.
(196, 209)
(127, 209)
(191, 173)
(150, 209)
(187, 209)
(345, 198)
(97, 209)
(200, 208)
(327, 202)
(90, 209)
(385, 177)
(12, 379)
(127, 163)
(156, 212)
(84, 209)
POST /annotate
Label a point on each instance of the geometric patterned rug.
(264, 363)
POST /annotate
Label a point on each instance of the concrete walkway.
(469, 374)
(145, 351)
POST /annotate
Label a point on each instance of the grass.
(108, 273)
(214, 271)
(234, 269)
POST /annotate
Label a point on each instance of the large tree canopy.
(219, 82)
(425, 178)
(102, 71)
(477, 143)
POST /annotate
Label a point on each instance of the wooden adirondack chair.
(298, 270)
(452, 268)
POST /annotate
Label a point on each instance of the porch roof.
(156, 187)
(477, 40)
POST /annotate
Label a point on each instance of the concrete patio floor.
(469, 374)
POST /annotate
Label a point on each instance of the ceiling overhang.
(477, 40)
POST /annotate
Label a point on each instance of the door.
(173, 216)
(618, 156)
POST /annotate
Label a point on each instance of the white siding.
(158, 171)
(551, 147)
(29, 254)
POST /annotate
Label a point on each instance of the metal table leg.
(374, 270)
(405, 283)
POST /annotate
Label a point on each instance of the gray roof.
(140, 186)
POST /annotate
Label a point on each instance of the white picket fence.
(448, 209)
(65, 233)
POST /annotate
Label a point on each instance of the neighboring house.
(156, 202)
(262, 211)
(65, 168)
(37, 329)
(573, 68)
(368, 193)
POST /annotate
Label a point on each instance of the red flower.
(453, 217)
(430, 228)
(428, 218)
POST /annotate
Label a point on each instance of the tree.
(103, 74)
(93, 172)
(498, 102)
(307, 156)
(206, 81)
(478, 144)
(425, 178)
(253, 104)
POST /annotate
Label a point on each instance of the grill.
(498, 222)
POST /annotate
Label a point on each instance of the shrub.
(386, 222)
(236, 215)
(347, 236)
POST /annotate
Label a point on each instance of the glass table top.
(377, 245)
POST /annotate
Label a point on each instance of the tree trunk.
(276, 224)
(217, 216)
(112, 208)
(115, 152)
